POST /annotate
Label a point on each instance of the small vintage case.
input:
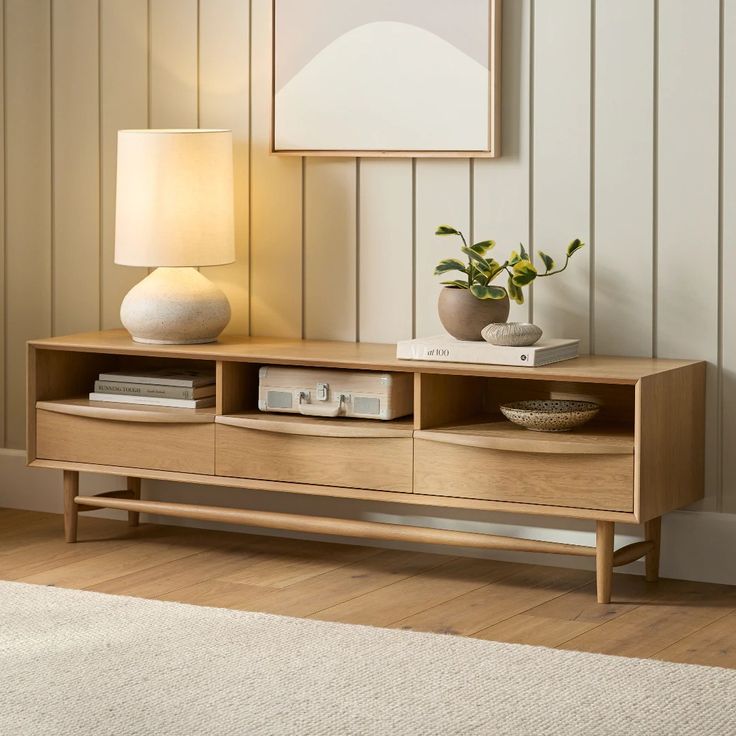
(335, 393)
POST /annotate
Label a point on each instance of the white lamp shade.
(174, 201)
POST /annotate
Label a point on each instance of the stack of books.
(165, 387)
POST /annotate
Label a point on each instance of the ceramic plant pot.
(464, 316)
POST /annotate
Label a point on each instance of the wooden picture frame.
(491, 150)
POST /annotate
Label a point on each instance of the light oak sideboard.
(641, 457)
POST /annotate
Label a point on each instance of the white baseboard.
(696, 545)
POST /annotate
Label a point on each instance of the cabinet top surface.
(367, 356)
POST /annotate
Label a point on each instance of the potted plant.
(467, 304)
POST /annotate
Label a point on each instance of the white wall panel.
(442, 198)
(224, 88)
(561, 196)
(173, 64)
(502, 186)
(76, 166)
(624, 147)
(728, 200)
(276, 204)
(330, 249)
(28, 196)
(687, 212)
(123, 104)
(385, 258)
(2, 232)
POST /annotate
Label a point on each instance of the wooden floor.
(501, 601)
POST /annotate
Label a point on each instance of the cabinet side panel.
(30, 404)
(670, 441)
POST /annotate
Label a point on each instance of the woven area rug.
(80, 663)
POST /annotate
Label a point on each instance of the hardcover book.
(152, 389)
(163, 377)
(447, 349)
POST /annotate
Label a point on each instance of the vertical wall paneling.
(501, 186)
(224, 87)
(687, 249)
(562, 163)
(3, 350)
(75, 166)
(329, 249)
(123, 104)
(728, 246)
(174, 63)
(442, 198)
(276, 204)
(385, 235)
(28, 197)
(624, 145)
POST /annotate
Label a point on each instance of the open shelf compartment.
(464, 406)
(66, 378)
(238, 405)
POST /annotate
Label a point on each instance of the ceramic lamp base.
(175, 306)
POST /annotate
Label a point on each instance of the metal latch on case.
(322, 391)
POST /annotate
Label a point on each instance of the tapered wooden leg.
(71, 491)
(604, 560)
(653, 533)
(134, 485)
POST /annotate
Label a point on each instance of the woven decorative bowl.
(550, 415)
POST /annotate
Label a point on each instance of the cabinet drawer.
(375, 463)
(185, 447)
(590, 481)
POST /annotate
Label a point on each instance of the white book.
(163, 377)
(153, 400)
(447, 349)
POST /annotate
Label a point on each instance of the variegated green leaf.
(477, 259)
(459, 284)
(496, 268)
(549, 264)
(576, 244)
(450, 264)
(524, 273)
(446, 230)
(487, 292)
(515, 292)
(524, 254)
(483, 247)
(514, 258)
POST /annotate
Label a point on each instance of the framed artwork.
(386, 77)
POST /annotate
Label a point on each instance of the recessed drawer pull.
(342, 428)
(115, 414)
(529, 442)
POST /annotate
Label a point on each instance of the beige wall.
(617, 128)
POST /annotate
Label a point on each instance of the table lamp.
(174, 211)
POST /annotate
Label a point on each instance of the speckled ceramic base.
(551, 415)
(175, 306)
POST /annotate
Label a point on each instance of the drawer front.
(604, 482)
(380, 464)
(185, 448)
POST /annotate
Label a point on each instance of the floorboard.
(671, 620)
